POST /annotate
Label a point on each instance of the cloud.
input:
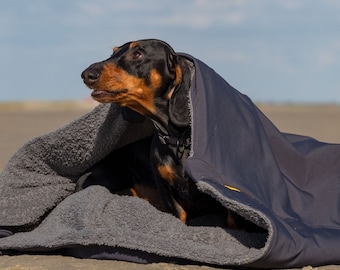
(327, 56)
(290, 4)
(193, 13)
(325, 59)
(204, 14)
(91, 8)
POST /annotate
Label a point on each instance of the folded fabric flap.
(5, 233)
(95, 216)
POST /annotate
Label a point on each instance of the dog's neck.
(176, 138)
(166, 127)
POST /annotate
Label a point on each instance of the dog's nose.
(90, 76)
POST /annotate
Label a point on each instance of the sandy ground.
(22, 122)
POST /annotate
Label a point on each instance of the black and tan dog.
(148, 77)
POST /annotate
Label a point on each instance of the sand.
(21, 122)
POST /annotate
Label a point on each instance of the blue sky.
(273, 51)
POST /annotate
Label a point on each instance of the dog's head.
(138, 75)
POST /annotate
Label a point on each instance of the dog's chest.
(167, 164)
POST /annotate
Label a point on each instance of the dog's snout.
(90, 75)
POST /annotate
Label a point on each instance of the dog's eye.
(137, 55)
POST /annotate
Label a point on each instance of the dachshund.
(148, 77)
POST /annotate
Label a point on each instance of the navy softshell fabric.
(293, 180)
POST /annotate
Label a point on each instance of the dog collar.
(180, 143)
(174, 141)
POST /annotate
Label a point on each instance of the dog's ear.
(179, 109)
(179, 100)
(132, 116)
(172, 61)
